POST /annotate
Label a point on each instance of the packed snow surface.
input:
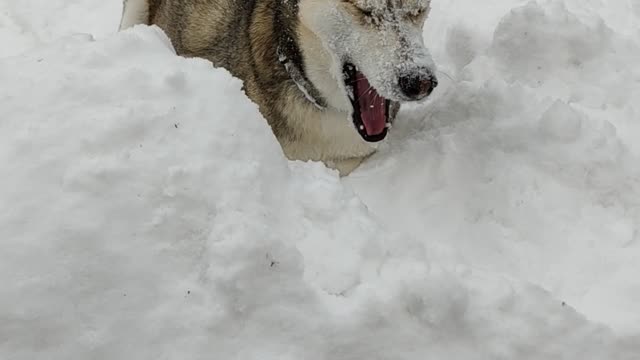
(148, 211)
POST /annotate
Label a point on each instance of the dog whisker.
(445, 74)
(357, 80)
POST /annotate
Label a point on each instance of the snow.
(149, 213)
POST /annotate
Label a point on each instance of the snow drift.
(148, 211)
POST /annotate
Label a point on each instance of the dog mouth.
(370, 109)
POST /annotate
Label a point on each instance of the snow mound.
(153, 210)
(149, 211)
(528, 162)
(25, 24)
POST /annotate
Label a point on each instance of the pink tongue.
(372, 106)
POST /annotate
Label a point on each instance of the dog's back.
(232, 34)
(238, 35)
(212, 29)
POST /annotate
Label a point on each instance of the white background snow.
(148, 212)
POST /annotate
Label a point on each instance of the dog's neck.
(290, 57)
(286, 56)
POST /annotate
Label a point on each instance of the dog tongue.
(372, 106)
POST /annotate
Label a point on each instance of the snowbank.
(149, 213)
(25, 24)
(528, 161)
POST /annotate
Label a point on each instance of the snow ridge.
(150, 213)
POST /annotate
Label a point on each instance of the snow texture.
(149, 213)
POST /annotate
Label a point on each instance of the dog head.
(374, 52)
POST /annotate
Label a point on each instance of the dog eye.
(416, 15)
(366, 16)
(366, 13)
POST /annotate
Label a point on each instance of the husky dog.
(328, 75)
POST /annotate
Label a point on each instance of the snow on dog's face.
(377, 54)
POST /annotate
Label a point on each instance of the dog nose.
(416, 86)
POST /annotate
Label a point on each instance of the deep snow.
(149, 213)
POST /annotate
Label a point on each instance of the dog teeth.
(361, 127)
